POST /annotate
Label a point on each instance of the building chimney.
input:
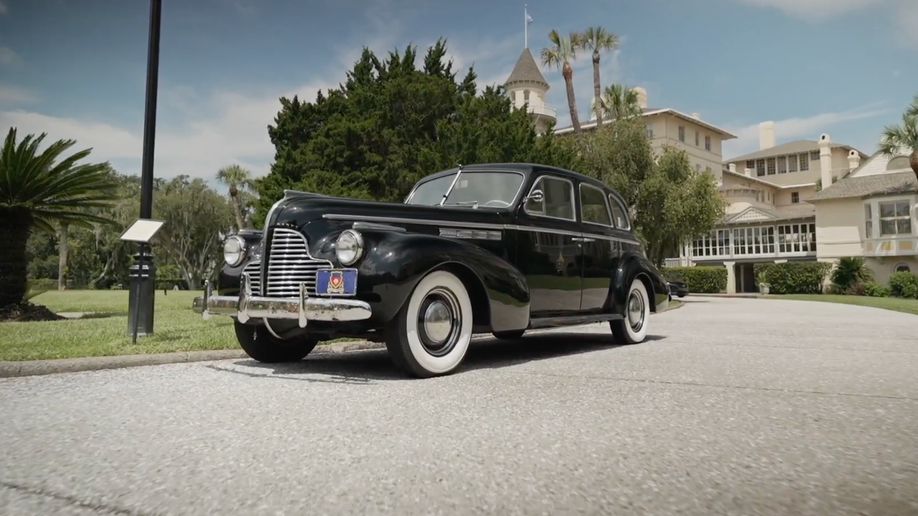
(696, 116)
(732, 167)
(766, 135)
(854, 159)
(825, 160)
(747, 172)
(641, 97)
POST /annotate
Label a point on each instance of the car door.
(600, 248)
(547, 252)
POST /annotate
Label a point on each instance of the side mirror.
(536, 196)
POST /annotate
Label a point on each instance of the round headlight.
(349, 247)
(234, 250)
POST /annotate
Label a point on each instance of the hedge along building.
(769, 218)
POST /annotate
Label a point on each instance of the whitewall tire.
(430, 334)
(632, 328)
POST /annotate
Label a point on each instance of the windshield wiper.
(473, 204)
(450, 189)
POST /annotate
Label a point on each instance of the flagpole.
(526, 21)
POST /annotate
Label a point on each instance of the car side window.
(593, 208)
(619, 214)
(557, 199)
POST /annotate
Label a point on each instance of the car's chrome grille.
(253, 269)
(289, 265)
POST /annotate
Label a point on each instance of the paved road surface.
(735, 406)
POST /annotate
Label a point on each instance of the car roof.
(527, 169)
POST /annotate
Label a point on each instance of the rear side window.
(557, 199)
(593, 207)
(619, 214)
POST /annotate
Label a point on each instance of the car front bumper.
(303, 309)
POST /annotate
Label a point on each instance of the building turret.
(527, 85)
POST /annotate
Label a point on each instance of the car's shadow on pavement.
(485, 353)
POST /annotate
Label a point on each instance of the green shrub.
(793, 277)
(848, 273)
(874, 289)
(700, 279)
(904, 284)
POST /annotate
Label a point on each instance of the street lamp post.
(143, 273)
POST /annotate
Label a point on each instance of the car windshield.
(474, 189)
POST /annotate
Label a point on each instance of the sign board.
(142, 230)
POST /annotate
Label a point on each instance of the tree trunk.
(568, 73)
(63, 251)
(238, 213)
(913, 162)
(597, 91)
(15, 227)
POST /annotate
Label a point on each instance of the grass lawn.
(176, 327)
(909, 306)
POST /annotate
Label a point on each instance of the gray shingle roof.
(794, 147)
(526, 70)
(879, 184)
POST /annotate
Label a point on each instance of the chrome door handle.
(583, 239)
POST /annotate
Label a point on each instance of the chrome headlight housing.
(349, 247)
(234, 250)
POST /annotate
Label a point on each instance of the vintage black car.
(499, 248)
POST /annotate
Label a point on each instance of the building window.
(513, 97)
(792, 163)
(750, 164)
(782, 164)
(682, 134)
(902, 267)
(804, 162)
(707, 143)
(697, 167)
(868, 221)
(794, 197)
(814, 155)
(760, 167)
(752, 241)
(715, 244)
(526, 96)
(648, 130)
(797, 238)
(771, 166)
(696, 138)
(895, 218)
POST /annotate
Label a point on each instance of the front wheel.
(430, 334)
(632, 328)
(260, 345)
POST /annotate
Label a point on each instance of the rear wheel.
(430, 334)
(632, 328)
(260, 345)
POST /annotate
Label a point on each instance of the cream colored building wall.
(666, 132)
(784, 196)
(839, 228)
(840, 168)
(883, 268)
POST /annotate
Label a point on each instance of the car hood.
(299, 208)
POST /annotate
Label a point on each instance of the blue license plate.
(336, 282)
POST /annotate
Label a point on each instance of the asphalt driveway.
(733, 406)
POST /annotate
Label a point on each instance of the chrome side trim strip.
(470, 234)
(476, 225)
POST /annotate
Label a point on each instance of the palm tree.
(37, 190)
(597, 40)
(63, 246)
(560, 55)
(620, 101)
(903, 138)
(237, 178)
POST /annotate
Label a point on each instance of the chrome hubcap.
(439, 321)
(635, 310)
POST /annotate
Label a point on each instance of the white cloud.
(3, 9)
(15, 95)
(8, 57)
(809, 128)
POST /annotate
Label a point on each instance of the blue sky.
(76, 68)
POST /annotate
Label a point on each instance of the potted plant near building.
(763, 285)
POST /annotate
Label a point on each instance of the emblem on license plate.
(335, 282)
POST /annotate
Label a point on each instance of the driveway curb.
(71, 365)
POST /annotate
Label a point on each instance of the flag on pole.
(528, 19)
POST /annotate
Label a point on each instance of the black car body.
(678, 288)
(499, 248)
